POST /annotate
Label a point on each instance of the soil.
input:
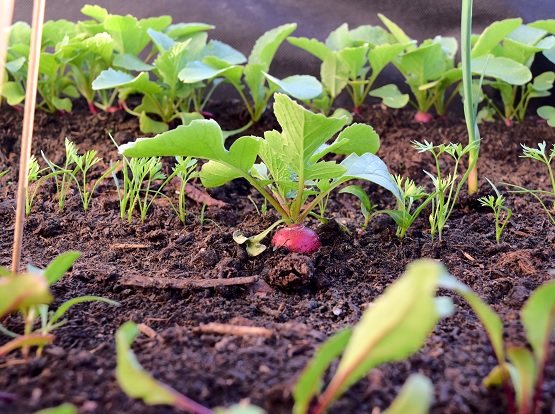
(300, 299)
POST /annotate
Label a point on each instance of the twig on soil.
(238, 330)
(125, 246)
(202, 197)
(172, 283)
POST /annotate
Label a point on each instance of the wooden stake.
(28, 121)
(6, 14)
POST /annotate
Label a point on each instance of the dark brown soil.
(329, 290)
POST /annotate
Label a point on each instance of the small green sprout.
(366, 206)
(34, 177)
(447, 188)
(496, 204)
(76, 168)
(539, 154)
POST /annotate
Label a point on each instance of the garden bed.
(299, 299)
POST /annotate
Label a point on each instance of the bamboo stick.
(28, 121)
(6, 15)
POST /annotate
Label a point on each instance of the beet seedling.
(392, 329)
(524, 368)
(30, 295)
(291, 176)
(137, 383)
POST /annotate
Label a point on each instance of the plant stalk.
(28, 121)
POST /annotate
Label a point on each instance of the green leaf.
(423, 64)
(64, 307)
(547, 112)
(21, 291)
(150, 126)
(313, 46)
(169, 63)
(111, 78)
(524, 374)
(353, 59)
(129, 34)
(162, 41)
(415, 397)
(266, 45)
(381, 55)
(130, 62)
(184, 30)
(236, 163)
(339, 39)
(374, 35)
(501, 68)
(359, 193)
(96, 12)
(197, 71)
(538, 318)
(395, 326)
(13, 92)
(490, 320)
(303, 131)
(134, 380)
(333, 75)
(303, 87)
(396, 31)
(358, 139)
(61, 409)
(224, 52)
(370, 168)
(309, 383)
(61, 264)
(391, 96)
(544, 81)
(200, 139)
(492, 35)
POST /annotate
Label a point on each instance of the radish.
(423, 117)
(297, 238)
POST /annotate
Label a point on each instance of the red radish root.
(297, 238)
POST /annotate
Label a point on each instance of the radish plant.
(504, 52)
(353, 59)
(291, 175)
(254, 74)
(429, 69)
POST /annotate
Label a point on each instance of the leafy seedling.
(539, 154)
(504, 52)
(139, 384)
(254, 74)
(353, 59)
(405, 214)
(519, 366)
(291, 176)
(392, 329)
(29, 294)
(428, 69)
(496, 204)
